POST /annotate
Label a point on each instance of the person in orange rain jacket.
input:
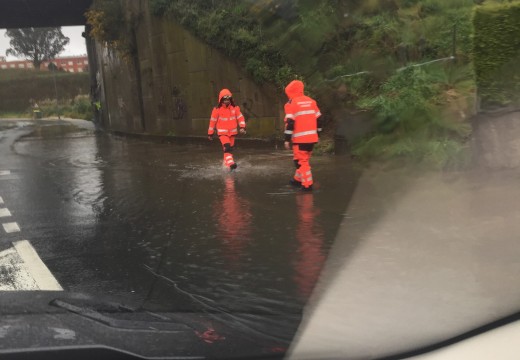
(225, 118)
(302, 127)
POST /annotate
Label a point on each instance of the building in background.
(68, 63)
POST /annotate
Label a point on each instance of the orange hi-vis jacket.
(226, 119)
(301, 115)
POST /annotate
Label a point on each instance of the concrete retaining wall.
(173, 82)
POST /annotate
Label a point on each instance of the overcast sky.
(76, 45)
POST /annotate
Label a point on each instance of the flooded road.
(166, 228)
(396, 253)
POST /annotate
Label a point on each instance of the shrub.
(497, 52)
(18, 88)
(110, 26)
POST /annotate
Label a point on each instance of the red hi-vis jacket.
(225, 119)
(301, 115)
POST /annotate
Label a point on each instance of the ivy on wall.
(112, 26)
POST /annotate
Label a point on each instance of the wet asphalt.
(165, 227)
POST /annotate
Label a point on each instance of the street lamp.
(53, 69)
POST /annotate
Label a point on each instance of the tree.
(36, 44)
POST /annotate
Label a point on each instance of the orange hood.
(223, 92)
(294, 89)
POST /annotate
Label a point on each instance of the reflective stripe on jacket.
(301, 115)
(226, 120)
(305, 113)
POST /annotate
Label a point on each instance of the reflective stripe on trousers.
(228, 157)
(303, 173)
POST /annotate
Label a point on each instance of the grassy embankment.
(322, 41)
(357, 55)
(20, 88)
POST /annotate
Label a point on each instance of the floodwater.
(166, 227)
(368, 259)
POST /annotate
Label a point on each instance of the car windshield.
(300, 179)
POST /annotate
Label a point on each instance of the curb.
(183, 140)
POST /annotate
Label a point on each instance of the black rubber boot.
(295, 183)
(307, 189)
(233, 166)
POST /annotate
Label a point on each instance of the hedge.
(497, 53)
(18, 87)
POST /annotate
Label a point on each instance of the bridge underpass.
(42, 13)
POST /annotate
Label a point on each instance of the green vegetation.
(14, 115)
(358, 54)
(497, 53)
(409, 121)
(321, 39)
(324, 147)
(236, 28)
(20, 88)
(76, 108)
(355, 55)
(111, 26)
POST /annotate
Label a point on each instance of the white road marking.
(1, 201)
(13, 276)
(5, 172)
(5, 212)
(11, 227)
(35, 267)
(6, 253)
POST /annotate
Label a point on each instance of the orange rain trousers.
(303, 173)
(228, 156)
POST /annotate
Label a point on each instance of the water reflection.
(72, 168)
(128, 206)
(158, 226)
(310, 237)
(232, 214)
